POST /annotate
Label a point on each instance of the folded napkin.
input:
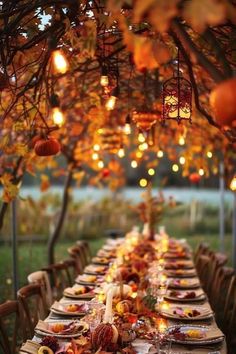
(141, 346)
(29, 347)
(188, 312)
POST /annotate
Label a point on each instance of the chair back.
(71, 270)
(12, 328)
(32, 298)
(41, 277)
(76, 253)
(59, 278)
(85, 250)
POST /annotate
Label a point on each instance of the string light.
(141, 138)
(201, 172)
(209, 154)
(160, 154)
(58, 116)
(111, 102)
(60, 62)
(181, 140)
(233, 184)
(151, 172)
(134, 164)
(175, 168)
(143, 146)
(143, 182)
(139, 154)
(104, 80)
(96, 147)
(127, 127)
(100, 164)
(182, 160)
(95, 156)
(121, 152)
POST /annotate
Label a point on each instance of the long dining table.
(148, 292)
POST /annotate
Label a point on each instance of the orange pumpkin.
(123, 306)
(222, 101)
(194, 177)
(47, 147)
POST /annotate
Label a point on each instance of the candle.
(108, 311)
(161, 325)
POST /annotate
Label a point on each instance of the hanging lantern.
(177, 98)
(145, 119)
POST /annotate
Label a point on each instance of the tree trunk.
(56, 234)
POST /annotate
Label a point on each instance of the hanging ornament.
(111, 139)
(177, 97)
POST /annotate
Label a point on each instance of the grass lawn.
(34, 256)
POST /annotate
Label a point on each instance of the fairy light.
(141, 138)
(134, 164)
(121, 153)
(95, 156)
(111, 102)
(233, 184)
(60, 62)
(182, 160)
(100, 131)
(96, 147)
(201, 172)
(58, 116)
(151, 172)
(127, 127)
(104, 80)
(160, 154)
(100, 164)
(209, 154)
(175, 168)
(139, 154)
(181, 140)
(143, 182)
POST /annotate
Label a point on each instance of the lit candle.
(162, 325)
(108, 312)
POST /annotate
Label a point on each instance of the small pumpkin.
(45, 350)
(194, 177)
(47, 147)
(222, 101)
(104, 335)
(123, 306)
(105, 173)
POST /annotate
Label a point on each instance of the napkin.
(141, 346)
(29, 347)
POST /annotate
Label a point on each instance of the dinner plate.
(185, 295)
(188, 312)
(183, 283)
(73, 292)
(93, 269)
(86, 279)
(69, 308)
(100, 260)
(79, 328)
(181, 273)
(209, 335)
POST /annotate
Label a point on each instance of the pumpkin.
(194, 177)
(123, 307)
(33, 141)
(47, 147)
(45, 350)
(104, 335)
(105, 173)
(222, 101)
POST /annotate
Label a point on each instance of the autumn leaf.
(141, 7)
(45, 183)
(162, 14)
(201, 13)
(10, 190)
(78, 176)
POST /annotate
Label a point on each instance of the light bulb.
(209, 154)
(182, 160)
(143, 146)
(121, 152)
(96, 147)
(100, 164)
(233, 184)
(134, 164)
(58, 116)
(175, 168)
(181, 140)
(160, 153)
(139, 154)
(143, 182)
(127, 129)
(151, 172)
(104, 81)
(141, 138)
(95, 156)
(60, 62)
(111, 102)
(201, 171)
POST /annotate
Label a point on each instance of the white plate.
(69, 335)
(184, 328)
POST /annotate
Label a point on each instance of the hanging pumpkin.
(47, 147)
(105, 173)
(194, 177)
(222, 101)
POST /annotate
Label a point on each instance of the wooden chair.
(203, 249)
(59, 278)
(11, 337)
(86, 250)
(219, 290)
(71, 270)
(218, 260)
(76, 253)
(33, 301)
(41, 277)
